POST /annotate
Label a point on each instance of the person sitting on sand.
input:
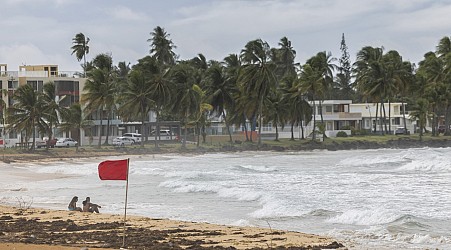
(73, 205)
(90, 207)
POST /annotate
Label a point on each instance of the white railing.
(16, 74)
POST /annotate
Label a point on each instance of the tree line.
(261, 84)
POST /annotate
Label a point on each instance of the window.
(396, 121)
(13, 84)
(37, 85)
(328, 109)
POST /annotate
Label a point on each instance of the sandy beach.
(25, 227)
(33, 228)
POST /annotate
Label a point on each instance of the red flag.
(113, 170)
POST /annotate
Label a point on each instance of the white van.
(165, 135)
(135, 137)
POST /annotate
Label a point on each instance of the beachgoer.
(73, 205)
(90, 207)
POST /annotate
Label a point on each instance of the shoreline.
(67, 154)
(45, 228)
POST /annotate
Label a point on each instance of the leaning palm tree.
(27, 114)
(80, 48)
(258, 77)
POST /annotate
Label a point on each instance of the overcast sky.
(41, 31)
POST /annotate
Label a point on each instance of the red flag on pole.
(114, 170)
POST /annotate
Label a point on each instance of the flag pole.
(125, 210)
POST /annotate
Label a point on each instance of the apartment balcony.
(340, 116)
(44, 74)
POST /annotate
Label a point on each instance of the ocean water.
(367, 199)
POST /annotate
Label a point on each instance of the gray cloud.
(41, 31)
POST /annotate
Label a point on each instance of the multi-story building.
(67, 85)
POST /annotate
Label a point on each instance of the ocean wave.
(183, 186)
(378, 237)
(430, 164)
(365, 217)
(255, 168)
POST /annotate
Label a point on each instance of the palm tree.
(444, 53)
(27, 114)
(295, 96)
(276, 112)
(284, 58)
(162, 47)
(80, 48)
(258, 76)
(136, 99)
(420, 111)
(322, 64)
(310, 84)
(3, 93)
(52, 109)
(73, 118)
(99, 95)
(187, 94)
(220, 90)
(157, 78)
(371, 76)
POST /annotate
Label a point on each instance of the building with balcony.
(68, 86)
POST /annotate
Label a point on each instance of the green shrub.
(342, 134)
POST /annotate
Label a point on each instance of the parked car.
(441, 129)
(66, 142)
(122, 141)
(51, 143)
(402, 131)
(165, 135)
(38, 142)
(133, 136)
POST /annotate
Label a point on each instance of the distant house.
(373, 115)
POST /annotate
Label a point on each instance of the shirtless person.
(73, 205)
(90, 207)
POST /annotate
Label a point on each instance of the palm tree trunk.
(143, 118)
(198, 135)
(314, 120)
(100, 129)
(227, 126)
(107, 128)
(385, 119)
(447, 119)
(157, 130)
(389, 115)
(34, 136)
(381, 125)
(375, 119)
(185, 132)
(252, 128)
(245, 128)
(302, 130)
(260, 121)
(292, 132)
(277, 132)
(84, 63)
